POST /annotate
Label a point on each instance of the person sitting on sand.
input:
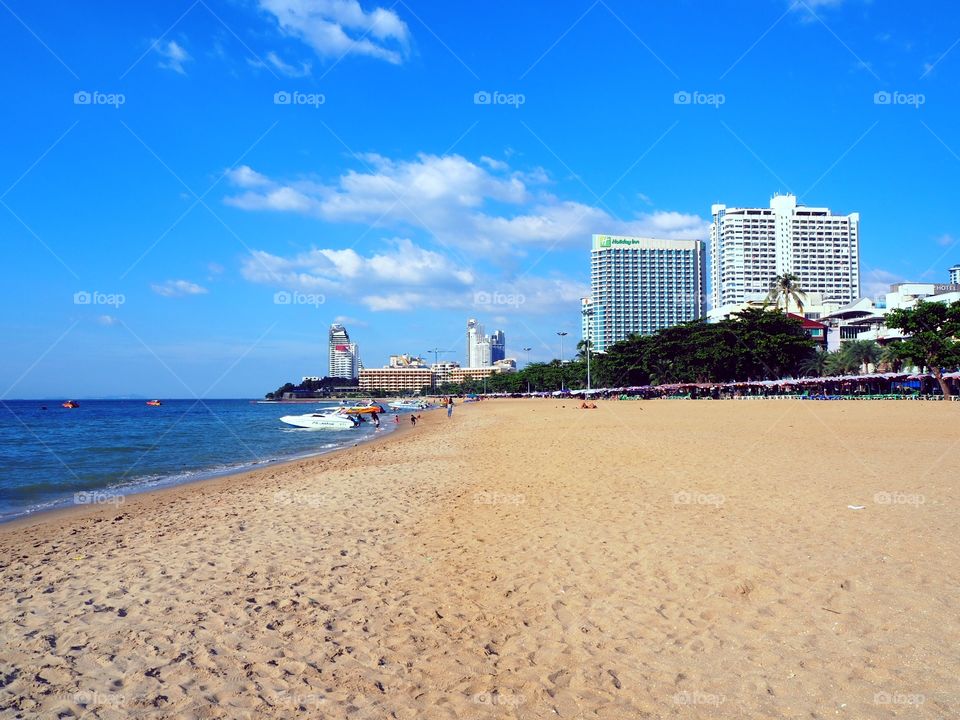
(584, 406)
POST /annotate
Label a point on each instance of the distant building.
(750, 247)
(641, 285)
(344, 356)
(475, 337)
(955, 275)
(816, 330)
(396, 379)
(441, 371)
(498, 346)
(460, 375)
(483, 350)
(408, 361)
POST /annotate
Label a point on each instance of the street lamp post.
(588, 314)
(527, 351)
(562, 335)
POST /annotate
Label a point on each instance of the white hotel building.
(750, 247)
(641, 285)
(343, 356)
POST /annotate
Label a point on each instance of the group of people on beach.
(588, 406)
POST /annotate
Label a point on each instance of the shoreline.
(74, 510)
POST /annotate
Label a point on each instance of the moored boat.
(366, 409)
(154, 403)
(333, 419)
(409, 405)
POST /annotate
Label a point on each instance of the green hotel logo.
(605, 241)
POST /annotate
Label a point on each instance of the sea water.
(106, 449)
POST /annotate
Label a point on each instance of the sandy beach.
(522, 559)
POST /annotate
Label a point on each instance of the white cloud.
(178, 288)
(876, 282)
(284, 68)
(460, 203)
(339, 27)
(946, 240)
(245, 177)
(348, 320)
(108, 320)
(407, 277)
(173, 55)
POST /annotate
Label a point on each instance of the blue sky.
(185, 167)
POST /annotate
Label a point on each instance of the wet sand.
(520, 560)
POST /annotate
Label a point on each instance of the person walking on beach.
(413, 420)
(449, 407)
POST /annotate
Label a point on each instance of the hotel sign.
(608, 241)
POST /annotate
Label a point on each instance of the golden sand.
(520, 560)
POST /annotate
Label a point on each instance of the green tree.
(786, 287)
(816, 366)
(862, 352)
(892, 357)
(933, 336)
(840, 362)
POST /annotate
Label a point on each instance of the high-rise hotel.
(343, 355)
(750, 247)
(641, 285)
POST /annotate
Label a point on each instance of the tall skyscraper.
(344, 356)
(955, 275)
(641, 285)
(474, 337)
(498, 346)
(483, 350)
(750, 247)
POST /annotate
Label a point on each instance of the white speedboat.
(409, 405)
(333, 419)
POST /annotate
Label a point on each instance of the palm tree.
(863, 352)
(890, 357)
(786, 287)
(840, 362)
(816, 366)
(582, 348)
